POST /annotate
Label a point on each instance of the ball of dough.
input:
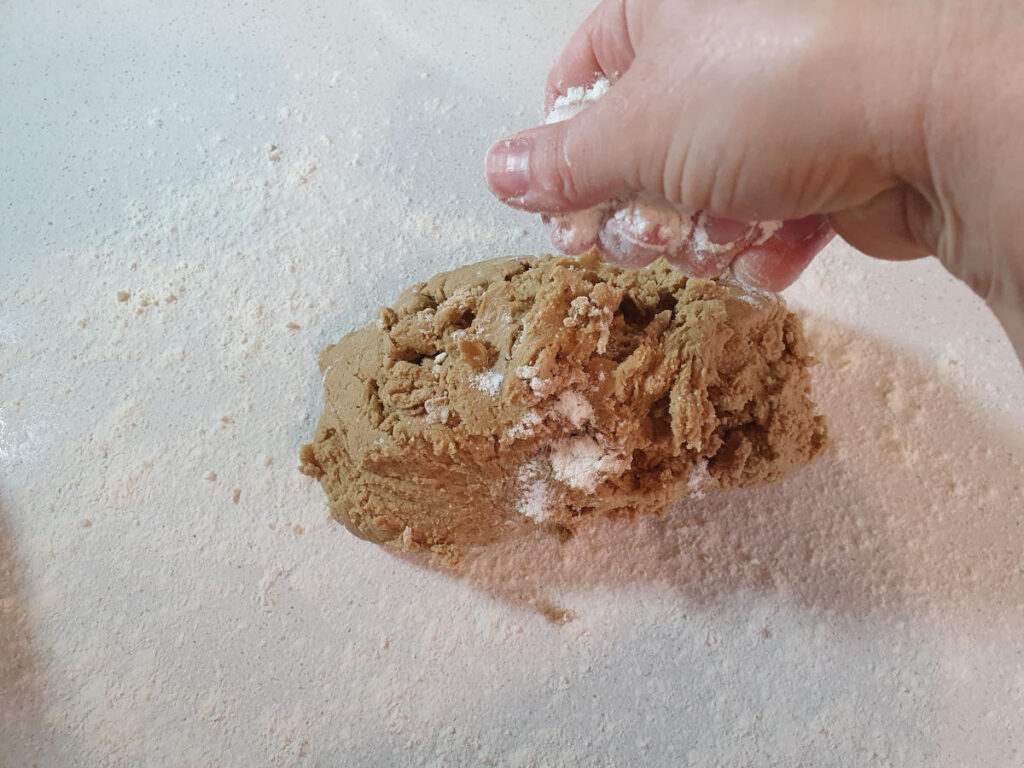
(541, 391)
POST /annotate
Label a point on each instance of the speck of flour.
(574, 407)
(535, 496)
(580, 462)
(488, 381)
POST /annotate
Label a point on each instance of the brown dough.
(526, 391)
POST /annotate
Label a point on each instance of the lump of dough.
(540, 391)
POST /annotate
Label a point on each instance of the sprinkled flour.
(575, 99)
(489, 382)
(574, 407)
(700, 479)
(539, 385)
(525, 426)
(535, 495)
(866, 611)
(437, 409)
(581, 462)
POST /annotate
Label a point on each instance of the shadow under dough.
(21, 707)
(911, 509)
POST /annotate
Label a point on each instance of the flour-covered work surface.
(197, 201)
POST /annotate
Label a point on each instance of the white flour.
(489, 382)
(575, 99)
(575, 408)
(581, 462)
(526, 425)
(535, 495)
(700, 480)
(172, 591)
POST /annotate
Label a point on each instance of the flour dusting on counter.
(299, 164)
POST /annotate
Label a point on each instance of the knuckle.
(564, 162)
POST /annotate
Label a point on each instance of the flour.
(582, 311)
(438, 410)
(575, 99)
(537, 383)
(489, 382)
(847, 616)
(767, 229)
(644, 220)
(535, 495)
(700, 480)
(577, 231)
(581, 462)
(526, 425)
(575, 408)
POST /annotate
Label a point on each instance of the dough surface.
(542, 390)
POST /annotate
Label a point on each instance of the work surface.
(194, 203)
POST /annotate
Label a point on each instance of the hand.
(897, 120)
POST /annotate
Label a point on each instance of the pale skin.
(899, 124)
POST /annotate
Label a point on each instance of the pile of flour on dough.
(526, 391)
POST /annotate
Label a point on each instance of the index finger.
(601, 47)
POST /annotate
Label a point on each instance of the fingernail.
(800, 231)
(723, 231)
(508, 168)
(747, 270)
(768, 268)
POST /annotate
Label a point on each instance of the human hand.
(635, 231)
(894, 120)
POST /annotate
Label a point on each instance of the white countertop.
(282, 172)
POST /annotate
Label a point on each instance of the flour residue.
(575, 408)
(525, 426)
(489, 382)
(535, 498)
(576, 99)
(700, 479)
(581, 462)
(582, 311)
(438, 410)
(539, 385)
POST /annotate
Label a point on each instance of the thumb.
(572, 164)
(896, 224)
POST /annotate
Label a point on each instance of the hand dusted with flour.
(526, 391)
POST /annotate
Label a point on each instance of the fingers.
(897, 224)
(630, 239)
(572, 164)
(780, 260)
(700, 245)
(582, 161)
(714, 245)
(577, 232)
(601, 46)
(632, 234)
